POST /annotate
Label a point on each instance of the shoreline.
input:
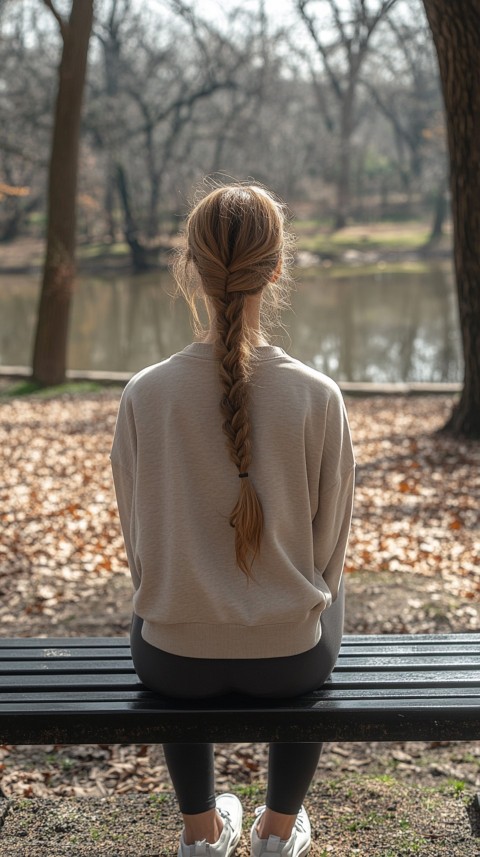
(353, 247)
(349, 388)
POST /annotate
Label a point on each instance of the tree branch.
(301, 6)
(196, 24)
(338, 20)
(388, 112)
(56, 14)
(382, 12)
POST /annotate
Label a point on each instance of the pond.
(354, 324)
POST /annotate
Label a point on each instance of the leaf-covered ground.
(417, 499)
(417, 511)
(412, 566)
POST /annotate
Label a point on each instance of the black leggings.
(291, 767)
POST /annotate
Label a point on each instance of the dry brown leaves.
(417, 506)
(60, 539)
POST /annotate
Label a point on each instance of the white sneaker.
(230, 808)
(297, 846)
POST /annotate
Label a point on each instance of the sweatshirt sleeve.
(331, 524)
(123, 461)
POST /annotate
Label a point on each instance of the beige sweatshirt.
(176, 485)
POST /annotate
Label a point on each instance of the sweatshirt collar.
(205, 350)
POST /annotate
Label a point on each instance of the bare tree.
(456, 34)
(151, 94)
(342, 47)
(405, 88)
(25, 108)
(171, 96)
(50, 349)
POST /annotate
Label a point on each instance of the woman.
(234, 470)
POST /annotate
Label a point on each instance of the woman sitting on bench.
(234, 472)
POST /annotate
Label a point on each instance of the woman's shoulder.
(145, 376)
(150, 377)
(309, 376)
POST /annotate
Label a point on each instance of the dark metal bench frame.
(384, 688)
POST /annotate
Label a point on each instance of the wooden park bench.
(384, 688)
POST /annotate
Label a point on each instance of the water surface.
(354, 325)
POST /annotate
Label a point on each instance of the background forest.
(340, 113)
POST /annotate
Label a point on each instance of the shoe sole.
(304, 851)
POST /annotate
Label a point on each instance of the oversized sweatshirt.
(176, 485)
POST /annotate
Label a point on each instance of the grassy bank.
(316, 237)
(385, 236)
(387, 240)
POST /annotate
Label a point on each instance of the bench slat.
(63, 642)
(61, 652)
(338, 723)
(36, 696)
(359, 667)
(414, 651)
(365, 679)
(54, 682)
(384, 639)
(62, 666)
(347, 640)
(425, 662)
(152, 705)
(397, 679)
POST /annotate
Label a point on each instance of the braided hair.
(235, 245)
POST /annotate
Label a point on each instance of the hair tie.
(242, 475)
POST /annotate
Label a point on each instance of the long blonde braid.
(247, 516)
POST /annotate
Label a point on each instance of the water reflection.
(400, 326)
(383, 327)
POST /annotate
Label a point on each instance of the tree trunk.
(456, 33)
(109, 202)
(50, 349)
(138, 251)
(154, 182)
(11, 227)
(439, 214)
(343, 180)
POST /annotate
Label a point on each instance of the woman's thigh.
(173, 675)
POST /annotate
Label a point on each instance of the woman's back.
(169, 444)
